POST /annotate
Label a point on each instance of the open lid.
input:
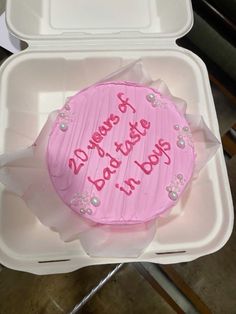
(92, 19)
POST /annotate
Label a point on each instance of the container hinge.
(102, 45)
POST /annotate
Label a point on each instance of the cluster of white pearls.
(83, 201)
(86, 211)
(173, 189)
(182, 134)
(153, 100)
(64, 124)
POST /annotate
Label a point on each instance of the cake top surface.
(120, 153)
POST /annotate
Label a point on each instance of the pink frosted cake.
(120, 153)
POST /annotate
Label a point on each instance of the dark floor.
(126, 293)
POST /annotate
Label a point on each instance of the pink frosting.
(120, 153)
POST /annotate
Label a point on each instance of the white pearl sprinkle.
(168, 189)
(173, 195)
(180, 176)
(89, 211)
(176, 127)
(82, 211)
(156, 103)
(151, 97)
(95, 201)
(181, 144)
(74, 202)
(62, 114)
(63, 126)
(185, 129)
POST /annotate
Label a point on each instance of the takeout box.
(73, 44)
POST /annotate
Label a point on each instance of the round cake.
(120, 153)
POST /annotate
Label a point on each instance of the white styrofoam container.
(73, 44)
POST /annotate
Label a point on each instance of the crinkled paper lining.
(25, 173)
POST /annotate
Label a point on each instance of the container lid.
(92, 19)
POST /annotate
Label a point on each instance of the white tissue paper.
(25, 173)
